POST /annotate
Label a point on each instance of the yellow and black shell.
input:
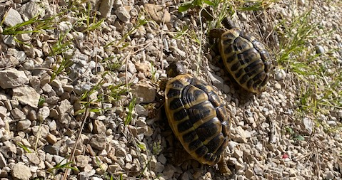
(245, 58)
(197, 117)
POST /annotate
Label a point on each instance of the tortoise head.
(175, 69)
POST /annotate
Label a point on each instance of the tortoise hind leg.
(223, 167)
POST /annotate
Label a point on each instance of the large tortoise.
(197, 117)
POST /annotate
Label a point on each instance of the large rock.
(26, 95)
(21, 171)
(12, 18)
(11, 78)
(144, 93)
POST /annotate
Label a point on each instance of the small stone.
(11, 78)
(258, 170)
(43, 113)
(144, 67)
(144, 93)
(123, 14)
(280, 74)
(21, 171)
(216, 80)
(12, 18)
(159, 167)
(26, 95)
(33, 158)
(319, 49)
(308, 124)
(241, 135)
(98, 141)
(106, 7)
(277, 86)
(82, 161)
(52, 139)
(157, 13)
(140, 110)
(23, 125)
(99, 127)
(162, 159)
(249, 173)
(329, 175)
(169, 171)
(30, 10)
(18, 114)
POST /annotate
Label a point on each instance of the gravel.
(44, 122)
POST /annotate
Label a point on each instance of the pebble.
(98, 141)
(12, 18)
(3, 162)
(319, 49)
(21, 171)
(106, 7)
(123, 14)
(280, 74)
(144, 93)
(26, 95)
(11, 78)
(158, 13)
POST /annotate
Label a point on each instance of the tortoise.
(197, 117)
(244, 57)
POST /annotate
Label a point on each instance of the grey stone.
(31, 9)
(26, 95)
(99, 127)
(33, 158)
(23, 125)
(319, 49)
(18, 114)
(140, 110)
(21, 171)
(98, 141)
(144, 93)
(123, 14)
(106, 7)
(12, 18)
(43, 113)
(11, 78)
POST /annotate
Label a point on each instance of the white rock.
(26, 95)
(308, 124)
(43, 113)
(12, 18)
(11, 78)
(21, 171)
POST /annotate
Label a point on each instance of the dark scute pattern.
(179, 115)
(173, 93)
(183, 126)
(175, 104)
(215, 143)
(239, 44)
(222, 146)
(250, 83)
(231, 58)
(195, 144)
(228, 49)
(244, 79)
(207, 129)
(189, 137)
(197, 112)
(235, 66)
(177, 84)
(201, 151)
(239, 73)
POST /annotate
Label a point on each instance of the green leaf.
(185, 7)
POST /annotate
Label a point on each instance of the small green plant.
(60, 166)
(156, 148)
(26, 149)
(130, 111)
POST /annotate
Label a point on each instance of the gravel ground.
(81, 101)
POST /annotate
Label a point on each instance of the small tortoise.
(197, 117)
(244, 57)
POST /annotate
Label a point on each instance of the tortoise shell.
(245, 58)
(197, 117)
